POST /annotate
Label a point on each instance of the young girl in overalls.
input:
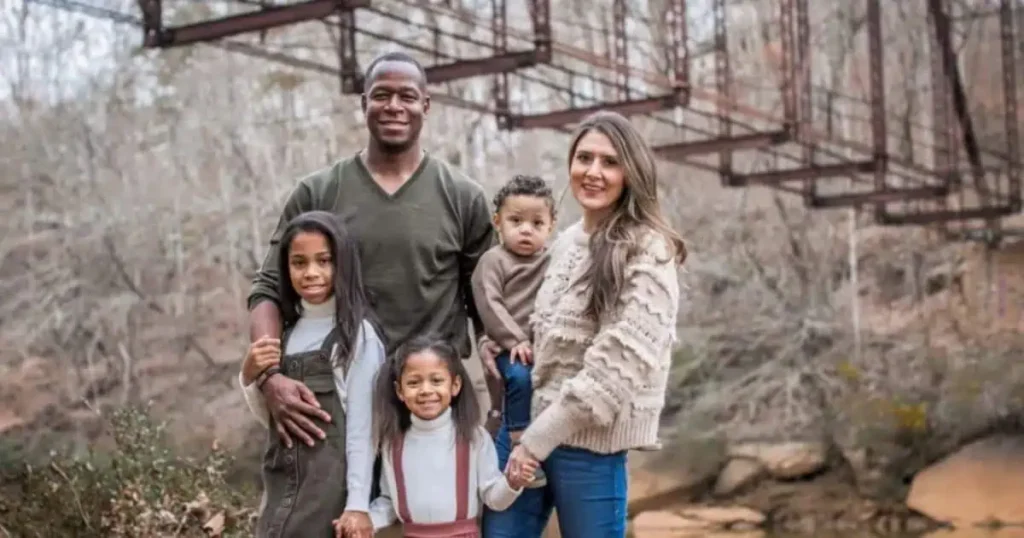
(331, 345)
(439, 465)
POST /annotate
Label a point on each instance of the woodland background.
(139, 189)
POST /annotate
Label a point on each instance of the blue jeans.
(518, 391)
(588, 489)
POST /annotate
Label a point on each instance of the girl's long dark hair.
(392, 418)
(351, 304)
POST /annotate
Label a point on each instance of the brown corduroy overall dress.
(305, 487)
(463, 526)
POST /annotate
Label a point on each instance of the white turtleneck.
(428, 462)
(355, 390)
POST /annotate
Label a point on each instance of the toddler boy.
(505, 284)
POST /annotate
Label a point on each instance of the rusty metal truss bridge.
(954, 166)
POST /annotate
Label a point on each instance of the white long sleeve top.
(354, 389)
(429, 466)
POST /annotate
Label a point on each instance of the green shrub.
(141, 488)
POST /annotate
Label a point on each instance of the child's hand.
(263, 354)
(521, 479)
(522, 353)
(355, 525)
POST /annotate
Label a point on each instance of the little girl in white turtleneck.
(439, 464)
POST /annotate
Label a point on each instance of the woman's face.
(596, 175)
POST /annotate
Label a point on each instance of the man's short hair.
(394, 56)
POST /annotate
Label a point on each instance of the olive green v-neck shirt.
(418, 246)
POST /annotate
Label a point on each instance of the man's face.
(394, 104)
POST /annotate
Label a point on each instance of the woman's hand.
(521, 478)
(353, 524)
(521, 463)
(263, 354)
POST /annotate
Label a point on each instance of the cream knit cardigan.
(600, 386)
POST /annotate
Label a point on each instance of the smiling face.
(394, 104)
(426, 385)
(596, 176)
(310, 267)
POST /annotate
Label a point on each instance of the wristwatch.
(494, 413)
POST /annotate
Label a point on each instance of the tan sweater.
(504, 288)
(601, 386)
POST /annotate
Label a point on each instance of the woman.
(603, 327)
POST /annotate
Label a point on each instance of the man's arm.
(478, 238)
(265, 319)
(264, 313)
(290, 403)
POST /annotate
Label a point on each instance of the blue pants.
(518, 391)
(588, 489)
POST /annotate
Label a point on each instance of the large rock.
(694, 522)
(981, 483)
(653, 488)
(724, 517)
(738, 474)
(1009, 532)
(784, 461)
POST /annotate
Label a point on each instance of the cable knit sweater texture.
(600, 385)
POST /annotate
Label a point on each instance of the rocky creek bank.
(804, 488)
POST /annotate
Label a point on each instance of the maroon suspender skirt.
(463, 526)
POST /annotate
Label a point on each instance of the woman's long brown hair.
(617, 238)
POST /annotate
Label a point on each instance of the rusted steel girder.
(812, 171)
(797, 124)
(499, 89)
(878, 164)
(501, 63)
(159, 36)
(626, 104)
(156, 35)
(726, 142)
(1001, 196)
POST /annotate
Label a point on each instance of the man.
(421, 227)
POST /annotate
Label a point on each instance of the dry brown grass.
(138, 488)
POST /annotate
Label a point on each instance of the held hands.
(520, 468)
(262, 354)
(353, 525)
